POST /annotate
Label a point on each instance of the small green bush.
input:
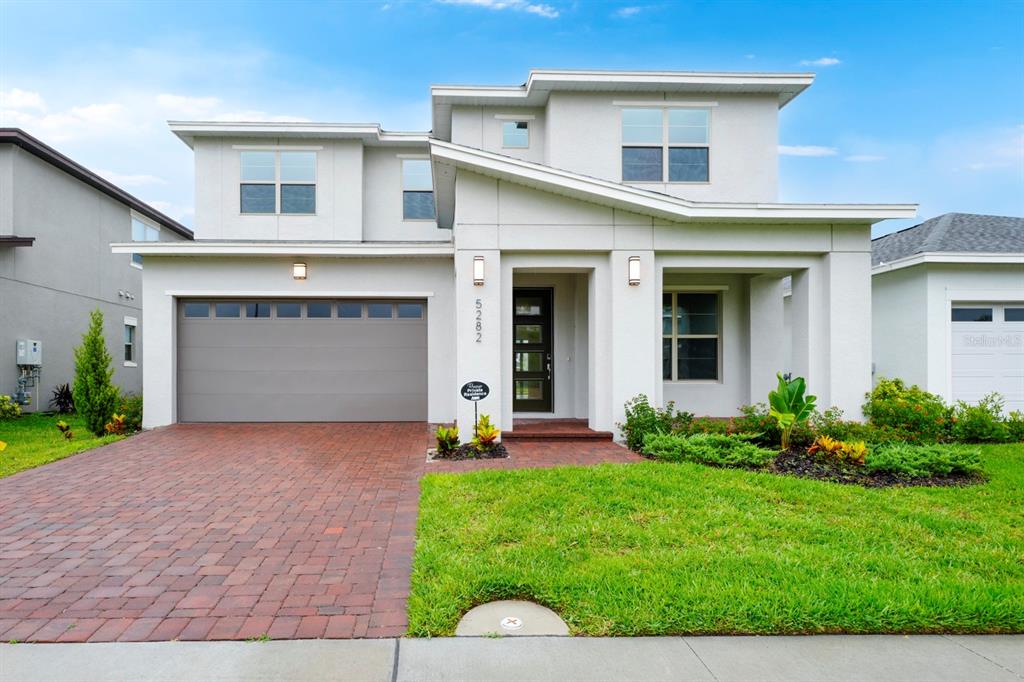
(130, 407)
(919, 461)
(910, 413)
(980, 423)
(831, 423)
(643, 418)
(95, 396)
(1015, 426)
(707, 448)
(8, 408)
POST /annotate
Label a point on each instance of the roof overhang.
(14, 240)
(286, 248)
(951, 257)
(369, 133)
(448, 158)
(541, 82)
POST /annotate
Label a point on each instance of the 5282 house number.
(478, 324)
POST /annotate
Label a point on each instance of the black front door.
(531, 350)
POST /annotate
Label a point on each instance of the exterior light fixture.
(634, 271)
(478, 271)
(299, 270)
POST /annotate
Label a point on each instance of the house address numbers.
(478, 322)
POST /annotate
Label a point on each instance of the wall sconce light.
(634, 271)
(299, 270)
(478, 271)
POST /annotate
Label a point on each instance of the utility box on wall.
(30, 353)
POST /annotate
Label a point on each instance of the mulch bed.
(798, 462)
(467, 451)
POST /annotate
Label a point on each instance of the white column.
(635, 316)
(849, 330)
(478, 333)
(810, 330)
(767, 335)
(159, 347)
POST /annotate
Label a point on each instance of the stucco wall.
(899, 309)
(480, 128)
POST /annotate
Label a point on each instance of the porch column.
(635, 316)
(848, 276)
(478, 336)
(810, 330)
(767, 335)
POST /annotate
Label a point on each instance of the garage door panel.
(302, 333)
(306, 407)
(270, 382)
(316, 358)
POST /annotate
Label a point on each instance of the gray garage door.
(321, 360)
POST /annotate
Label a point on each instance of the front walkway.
(213, 531)
(878, 658)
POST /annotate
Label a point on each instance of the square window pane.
(152, 234)
(641, 164)
(688, 164)
(298, 166)
(529, 361)
(641, 126)
(418, 205)
(666, 359)
(298, 199)
(257, 310)
(529, 333)
(1013, 314)
(350, 310)
(697, 358)
(697, 313)
(138, 230)
(688, 126)
(529, 305)
(416, 175)
(137, 258)
(197, 310)
(228, 309)
(289, 310)
(515, 134)
(318, 309)
(529, 389)
(972, 315)
(380, 311)
(412, 311)
(258, 166)
(258, 199)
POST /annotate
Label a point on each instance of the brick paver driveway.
(226, 532)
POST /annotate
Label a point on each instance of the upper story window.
(278, 182)
(665, 145)
(515, 134)
(143, 231)
(417, 190)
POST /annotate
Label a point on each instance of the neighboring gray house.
(948, 306)
(57, 220)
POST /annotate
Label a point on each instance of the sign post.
(475, 391)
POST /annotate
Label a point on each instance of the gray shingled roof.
(952, 233)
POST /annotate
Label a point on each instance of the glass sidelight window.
(691, 336)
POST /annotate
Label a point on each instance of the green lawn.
(33, 440)
(658, 549)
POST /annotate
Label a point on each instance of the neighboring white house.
(571, 242)
(948, 300)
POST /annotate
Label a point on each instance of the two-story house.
(57, 220)
(571, 242)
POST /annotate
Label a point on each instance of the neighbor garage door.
(988, 352)
(322, 360)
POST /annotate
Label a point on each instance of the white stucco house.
(572, 242)
(948, 306)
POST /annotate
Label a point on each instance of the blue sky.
(919, 102)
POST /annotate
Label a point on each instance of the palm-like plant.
(790, 406)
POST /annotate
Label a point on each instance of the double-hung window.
(278, 182)
(143, 231)
(130, 325)
(665, 145)
(691, 336)
(417, 190)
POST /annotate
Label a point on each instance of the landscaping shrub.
(131, 407)
(847, 452)
(62, 400)
(707, 448)
(831, 423)
(8, 408)
(789, 406)
(919, 461)
(95, 396)
(981, 423)
(486, 437)
(915, 415)
(1015, 426)
(642, 418)
(447, 440)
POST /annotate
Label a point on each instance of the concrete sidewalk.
(747, 659)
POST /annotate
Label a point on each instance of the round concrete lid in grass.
(511, 618)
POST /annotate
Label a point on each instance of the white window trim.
(665, 146)
(278, 182)
(134, 323)
(401, 170)
(717, 290)
(515, 117)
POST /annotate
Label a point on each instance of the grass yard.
(660, 549)
(33, 440)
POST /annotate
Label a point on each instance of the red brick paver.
(218, 531)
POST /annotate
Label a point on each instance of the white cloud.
(189, 107)
(863, 158)
(540, 9)
(821, 61)
(137, 180)
(77, 122)
(21, 100)
(806, 150)
(626, 12)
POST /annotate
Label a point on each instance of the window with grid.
(665, 145)
(691, 336)
(278, 182)
(417, 190)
